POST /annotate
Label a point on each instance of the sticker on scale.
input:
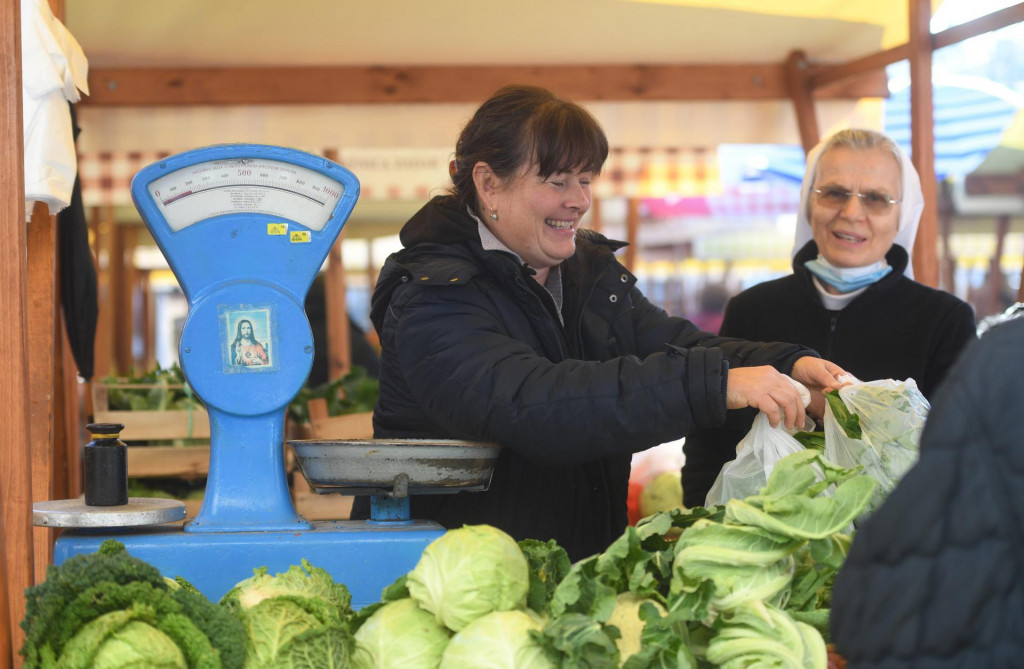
(274, 229)
(299, 236)
(248, 338)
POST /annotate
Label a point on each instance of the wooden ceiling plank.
(448, 84)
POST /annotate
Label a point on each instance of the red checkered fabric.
(106, 177)
(659, 172)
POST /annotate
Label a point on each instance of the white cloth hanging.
(54, 70)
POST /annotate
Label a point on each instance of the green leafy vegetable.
(399, 635)
(355, 392)
(285, 614)
(498, 640)
(111, 609)
(549, 563)
(763, 636)
(467, 573)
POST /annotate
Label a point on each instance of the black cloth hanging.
(78, 284)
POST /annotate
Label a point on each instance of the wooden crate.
(331, 506)
(149, 425)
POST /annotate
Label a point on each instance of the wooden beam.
(359, 85)
(832, 74)
(922, 140)
(15, 473)
(801, 93)
(876, 62)
(994, 21)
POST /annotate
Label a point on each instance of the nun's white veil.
(910, 208)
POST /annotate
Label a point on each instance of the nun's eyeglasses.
(873, 201)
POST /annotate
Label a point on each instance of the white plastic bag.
(891, 414)
(756, 457)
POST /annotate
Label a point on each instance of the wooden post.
(922, 139)
(146, 318)
(632, 232)
(339, 348)
(122, 284)
(101, 221)
(15, 475)
(995, 269)
(595, 215)
(42, 332)
(801, 93)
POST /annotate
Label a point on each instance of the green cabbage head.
(498, 640)
(132, 638)
(467, 573)
(400, 635)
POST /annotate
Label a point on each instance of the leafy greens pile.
(742, 585)
(109, 609)
(747, 584)
(160, 390)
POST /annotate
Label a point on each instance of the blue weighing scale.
(246, 228)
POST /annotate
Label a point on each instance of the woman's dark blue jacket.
(473, 348)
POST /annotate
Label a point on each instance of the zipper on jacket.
(833, 324)
(579, 316)
(556, 330)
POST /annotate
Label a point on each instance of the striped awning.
(971, 115)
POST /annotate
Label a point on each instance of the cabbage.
(498, 640)
(296, 619)
(626, 618)
(662, 493)
(123, 638)
(399, 635)
(467, 573)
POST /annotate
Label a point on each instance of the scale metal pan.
(395, 467)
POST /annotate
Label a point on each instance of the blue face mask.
(847, 279)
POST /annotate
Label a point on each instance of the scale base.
(366, 557)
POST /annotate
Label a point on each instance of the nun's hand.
(820, 376)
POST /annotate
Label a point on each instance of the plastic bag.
(891, 415)
(756, 457)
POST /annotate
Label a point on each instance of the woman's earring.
(494, 215)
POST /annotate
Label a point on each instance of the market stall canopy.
(1002, 171)
(193, 33)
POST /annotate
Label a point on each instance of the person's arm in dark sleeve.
(477, 381)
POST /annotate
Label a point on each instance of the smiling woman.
(851, 296)
(503, 321)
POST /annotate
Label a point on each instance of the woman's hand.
(768, 390)
(820, 376)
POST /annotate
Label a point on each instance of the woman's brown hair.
(520, 125)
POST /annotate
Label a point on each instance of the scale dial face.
(245, 186)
